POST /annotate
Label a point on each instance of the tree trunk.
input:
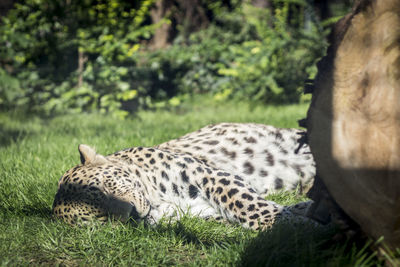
(82, 58)
(190, 15)
(261, 3)
(354, 118)
(162, 35)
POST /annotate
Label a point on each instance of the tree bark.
(190, 15)
(194, 16)
(261, 3)
(162, 35)
(82, 58)
(354, 119)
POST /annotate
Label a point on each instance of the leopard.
(228, 184)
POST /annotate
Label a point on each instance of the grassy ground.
(35, 152)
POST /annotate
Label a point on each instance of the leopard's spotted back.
(268, 158)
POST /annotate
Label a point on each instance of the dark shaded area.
(9, 135)
(294, 245)
(190, 236)
(36, 210)
(289, 245)
(325, 209)
(5, 6)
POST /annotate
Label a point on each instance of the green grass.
(35, 152)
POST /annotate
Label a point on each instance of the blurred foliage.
(248, 53)
(43, 42)
(73, 56)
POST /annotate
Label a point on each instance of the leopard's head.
(100, 188)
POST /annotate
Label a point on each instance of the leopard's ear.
(89, 155)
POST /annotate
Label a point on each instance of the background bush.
(73, 56)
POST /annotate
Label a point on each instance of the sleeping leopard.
(220, 172)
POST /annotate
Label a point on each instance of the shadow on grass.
(43, 212)
(198, 232)
(288, 245)
(9, 135)
(285, 245)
